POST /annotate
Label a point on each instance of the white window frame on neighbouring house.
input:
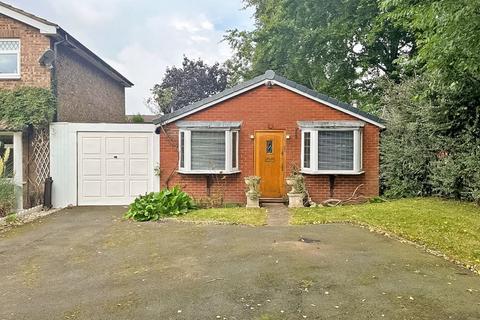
(17, 52)
(232, 137)
(17, 164)
(312, 128)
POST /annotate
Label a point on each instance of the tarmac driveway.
(86, 263)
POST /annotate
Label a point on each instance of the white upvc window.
(10, 58)
(208, 149)
(331, 147)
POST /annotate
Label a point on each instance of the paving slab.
(277, 214)
(87, 263)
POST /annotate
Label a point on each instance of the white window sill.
(10, 76)
(332, 172)
(207, 171)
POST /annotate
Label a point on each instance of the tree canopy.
(340, 48)
(191, 82)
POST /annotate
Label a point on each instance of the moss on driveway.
(451, 227)
(89, 263)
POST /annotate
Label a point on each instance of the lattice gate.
(41, 160)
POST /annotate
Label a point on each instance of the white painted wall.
(63, 155)
(18, 167)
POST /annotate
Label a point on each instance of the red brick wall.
(32, 45)
(264, 109)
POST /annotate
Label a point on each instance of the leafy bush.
(458, 175)
(137, 118)
(428, 149)
(407, 145)
(27, 106)
(7, 197)
(153, 206)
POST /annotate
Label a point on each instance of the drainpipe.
(53, 73)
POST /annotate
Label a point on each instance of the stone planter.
(296, 194)
(291, 182)
(295, 200)
(253, 192)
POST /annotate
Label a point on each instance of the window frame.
(18, 74)
(12, 154)
(187, 160)
(357, 151)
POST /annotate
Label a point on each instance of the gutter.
(64, 37)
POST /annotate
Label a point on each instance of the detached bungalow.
(266, 127)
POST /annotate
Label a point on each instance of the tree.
(336, 47)
(448, 41)
(446, 105)
(426, 150)
(193, 81)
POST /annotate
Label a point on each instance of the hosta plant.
(154, 205)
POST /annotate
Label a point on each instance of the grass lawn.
(253, 217)
(451, 227)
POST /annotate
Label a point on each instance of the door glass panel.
(269, 147)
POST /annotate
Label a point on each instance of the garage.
(102, 164)
(113, 168)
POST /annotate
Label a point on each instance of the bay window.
(331, 147)
(208, 147)
(9, 58)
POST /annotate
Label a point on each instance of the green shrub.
(27, 106)
(11, 218)
(153, 206)
(137, 118)
(432, 143)
(7, 197)
(458, 175)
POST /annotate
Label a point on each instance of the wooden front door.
(269, 162)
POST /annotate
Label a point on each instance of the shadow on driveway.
(87, 263)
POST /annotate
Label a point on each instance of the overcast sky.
(140, 38)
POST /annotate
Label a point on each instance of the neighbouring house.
(266, 127)
(139, 118)
(93, 155)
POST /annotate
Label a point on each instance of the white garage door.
(114, 168)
